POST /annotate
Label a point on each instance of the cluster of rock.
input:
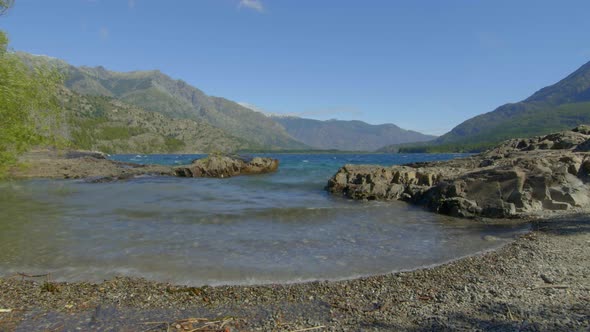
(96, 167)
(519, 177)
(90, 165)
(220, 166)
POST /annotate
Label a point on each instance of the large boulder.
(220, 166)
(520, 177)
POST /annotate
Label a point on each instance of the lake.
(275, 228)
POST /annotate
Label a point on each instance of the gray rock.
(517, 178)
(582, 129)
(219, 166)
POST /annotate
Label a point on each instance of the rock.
(519, 177)
(260, 165)
(547, 279)
(582, 129)
(219, 166)
(80, 154)
(89, 165)
(96, 168)
(584, 147)
(558, 141)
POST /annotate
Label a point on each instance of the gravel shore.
(540, 282)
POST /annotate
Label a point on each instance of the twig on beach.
(310, 328)
(193, 324)
(57, 327)
(5, 310)
(46, 275)
(157, 324)
(192, 320)
(552, 286)
(509, 314)
(25, 275)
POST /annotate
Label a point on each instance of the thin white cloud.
(131, 4)
(104, 33)
(252, 4)
(252, 107)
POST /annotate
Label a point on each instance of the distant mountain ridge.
(347, 135)
(558, 107)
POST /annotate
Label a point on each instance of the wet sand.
(540, 282)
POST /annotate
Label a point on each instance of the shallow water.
(280, 227)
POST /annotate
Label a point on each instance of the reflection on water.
(272, 228)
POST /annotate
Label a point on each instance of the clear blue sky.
(423, 65)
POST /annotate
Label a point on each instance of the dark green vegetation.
(347, 135)
(563, 105)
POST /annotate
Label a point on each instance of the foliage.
(109, 125)
(173, 144)
(5, 5)
(28, 108)
(118, 132)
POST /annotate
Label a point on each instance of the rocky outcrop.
(518, 178)
(219, 166)
(95, 167)
(90, 165)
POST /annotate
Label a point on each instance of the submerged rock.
(519, 177)
(225, 166)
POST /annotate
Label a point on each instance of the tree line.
(29, 110)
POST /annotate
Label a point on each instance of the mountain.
(156, 92)
(347, 135)
(558, 107)
(109, 125)
(563, 105)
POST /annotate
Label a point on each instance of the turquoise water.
(280, 227)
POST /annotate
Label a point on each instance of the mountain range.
(149, 112)
(193, 120)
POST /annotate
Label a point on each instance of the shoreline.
(538, 282)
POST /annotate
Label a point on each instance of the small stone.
(547, 279)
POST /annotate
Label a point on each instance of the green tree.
(5, 5)
(29, 112)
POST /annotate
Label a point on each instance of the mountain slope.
(156, 92)
(553, 108)
(347, 135)
(109, 125)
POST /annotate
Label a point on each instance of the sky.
(422, 65)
